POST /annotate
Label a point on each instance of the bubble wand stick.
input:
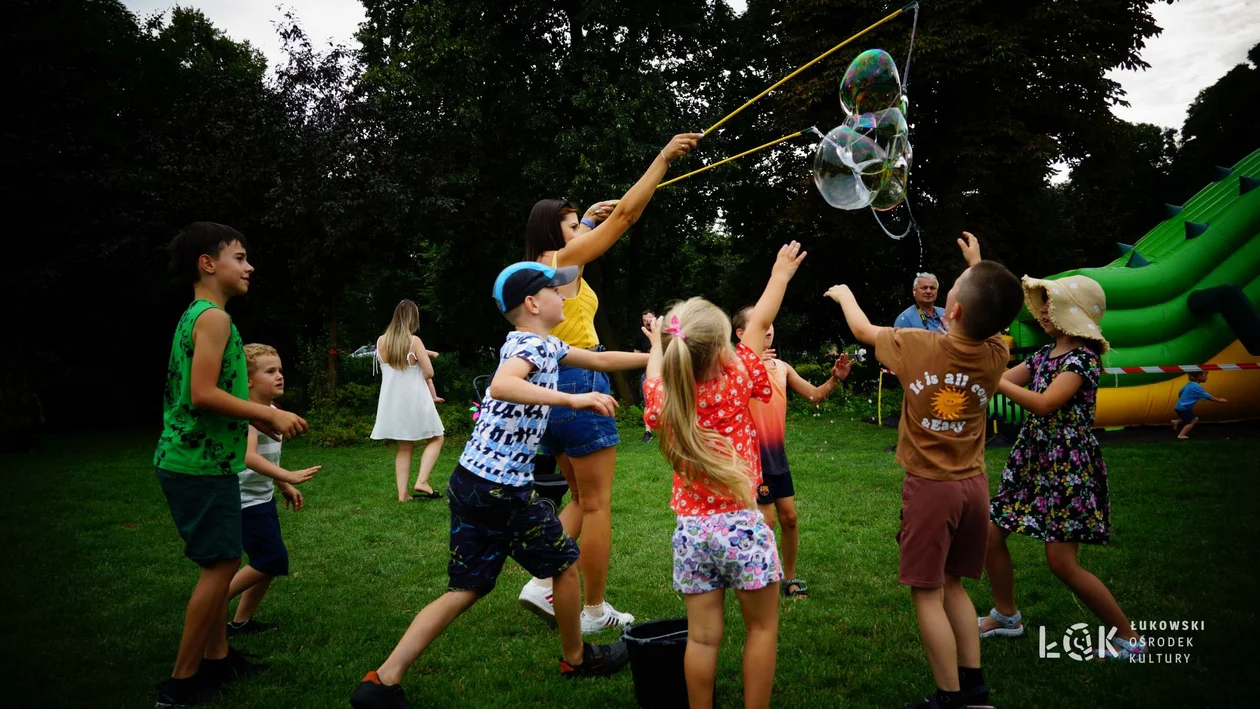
(776, 141)
(814, 61)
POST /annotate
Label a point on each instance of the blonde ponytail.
(397, 340)
(694, 452)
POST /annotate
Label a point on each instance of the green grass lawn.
(96, 585)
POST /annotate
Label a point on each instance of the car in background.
(364, 351)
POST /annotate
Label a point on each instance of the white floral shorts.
(734, 549)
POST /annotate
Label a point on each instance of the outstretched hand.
(788, 260)
(653, 332)
(840, 370)
(599, 211)
(970, 247)
(680, 145)
(835, 291)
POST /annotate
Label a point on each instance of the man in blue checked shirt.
(923, 314)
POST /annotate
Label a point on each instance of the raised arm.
(589, 246)
(815, 394)
(767, 307)
(656, 355)
(970, 248)
(861, 326)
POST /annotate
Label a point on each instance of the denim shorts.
(578, 433)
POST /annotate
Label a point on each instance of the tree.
(1221, 124)
(998, 91)
(570, 99)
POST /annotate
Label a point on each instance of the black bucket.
(656, 661)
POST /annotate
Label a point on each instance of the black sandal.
(801, 590)
(422, 495)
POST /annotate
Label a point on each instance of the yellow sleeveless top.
(578, 328)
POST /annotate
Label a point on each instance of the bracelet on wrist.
(588, 222)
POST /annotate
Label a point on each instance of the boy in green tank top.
(206, 418)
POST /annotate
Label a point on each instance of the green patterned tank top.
(198, 442)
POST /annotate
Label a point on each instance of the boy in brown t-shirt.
(948, 380)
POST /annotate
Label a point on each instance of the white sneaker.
(537, 600)
(613, 618)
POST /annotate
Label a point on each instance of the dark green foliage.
(404, 168)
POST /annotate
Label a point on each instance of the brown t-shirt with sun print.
(948, 380)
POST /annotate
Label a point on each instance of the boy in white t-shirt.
(260, 524)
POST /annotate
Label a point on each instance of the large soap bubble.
(887, 128)
(870, 84)
(866, 161)
(840, 160)
(891, 189)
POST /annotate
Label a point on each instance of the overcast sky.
(1202, 39)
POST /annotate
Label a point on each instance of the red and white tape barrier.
(1183, 368)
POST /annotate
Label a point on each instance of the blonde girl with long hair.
(697, 393)
(406, 411)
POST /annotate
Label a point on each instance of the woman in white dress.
(405, 412)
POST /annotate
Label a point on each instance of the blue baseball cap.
(521, 280)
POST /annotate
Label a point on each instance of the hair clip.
(675, 329)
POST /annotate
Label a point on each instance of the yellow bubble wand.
(774, 86)
(776, 141)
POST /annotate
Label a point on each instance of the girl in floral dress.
(697, 392)
(1054, 486)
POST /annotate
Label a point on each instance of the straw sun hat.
(1077, 304)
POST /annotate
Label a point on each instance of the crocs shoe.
(612, 618)
(1008, 626)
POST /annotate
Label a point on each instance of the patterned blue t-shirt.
(502, 446)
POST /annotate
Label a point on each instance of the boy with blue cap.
(495, 512)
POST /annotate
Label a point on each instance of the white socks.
(542, 583)
(594, 611)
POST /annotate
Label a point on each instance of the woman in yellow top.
(585, 443)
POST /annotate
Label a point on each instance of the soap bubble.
(892, 181)
(839, 161)
(866, 161)
(871, 83)
(888, 128)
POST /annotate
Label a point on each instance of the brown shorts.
(944, 529)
